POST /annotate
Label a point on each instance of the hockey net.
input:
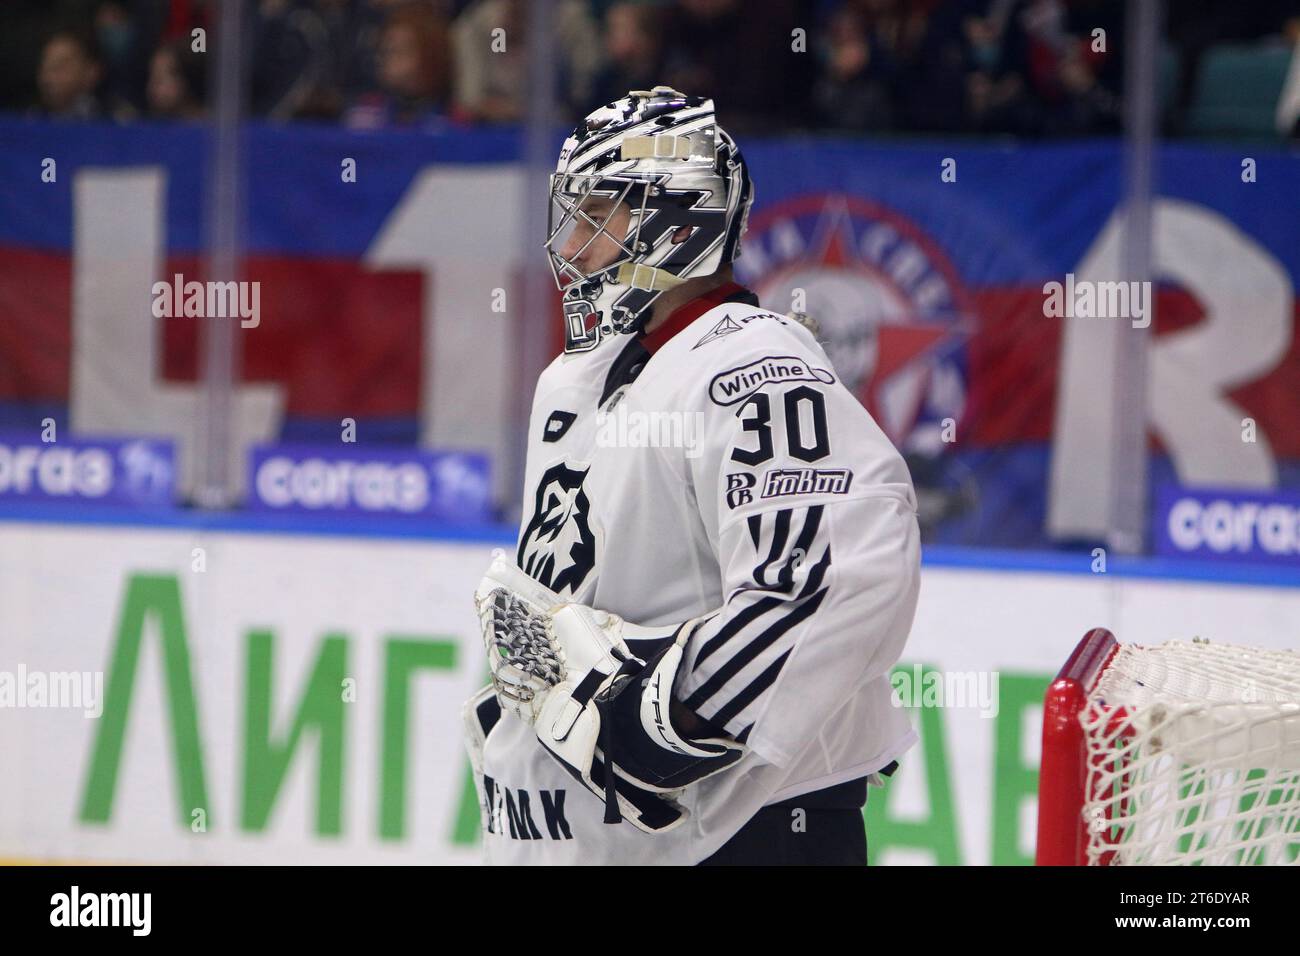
(1173, 754)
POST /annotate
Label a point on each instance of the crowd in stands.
(1033, 68)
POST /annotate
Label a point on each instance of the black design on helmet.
(664, 155)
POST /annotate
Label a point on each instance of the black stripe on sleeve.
(779, 535)
(747, 696)
(734, 626)
(816, 575)
(753, 648)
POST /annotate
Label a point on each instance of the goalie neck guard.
(664, 155)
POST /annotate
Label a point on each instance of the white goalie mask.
(663, 154)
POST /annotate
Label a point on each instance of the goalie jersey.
(715, 466)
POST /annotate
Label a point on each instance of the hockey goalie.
(690, 648)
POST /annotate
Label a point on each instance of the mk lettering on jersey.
(780, 482)
(510, 811)
(735, 384)
(729, 325)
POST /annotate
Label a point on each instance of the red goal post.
(1183, 753)
(1062, 776)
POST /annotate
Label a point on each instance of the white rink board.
(62, 589)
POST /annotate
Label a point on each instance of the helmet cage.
(569, 192)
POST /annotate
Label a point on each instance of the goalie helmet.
(664, 155)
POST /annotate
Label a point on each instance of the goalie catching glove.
(567, 670)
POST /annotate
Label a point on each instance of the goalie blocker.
(568, 670)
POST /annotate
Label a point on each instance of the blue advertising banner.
(354, 480)
(931, 296)
(1227, 525)
(139, 472)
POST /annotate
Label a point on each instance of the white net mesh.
(1194, 757)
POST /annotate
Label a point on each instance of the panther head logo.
(557, 547)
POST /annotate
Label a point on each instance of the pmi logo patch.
(781, 482)
(729, 326)
(739, 383)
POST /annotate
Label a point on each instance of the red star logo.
(901, 342)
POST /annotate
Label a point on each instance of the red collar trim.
(685, 314)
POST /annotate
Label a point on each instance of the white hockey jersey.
(723, 470)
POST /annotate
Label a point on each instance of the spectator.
(745, 60)
(1020, 67)
(492, 66)
(177, 85)
(859, 72)
(304, 53)
(69, 76)
(122, 39)
(956, 41)
(1043, 83)
(1083, 106)
(632, 50)
(339, 40)
(413, 71)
